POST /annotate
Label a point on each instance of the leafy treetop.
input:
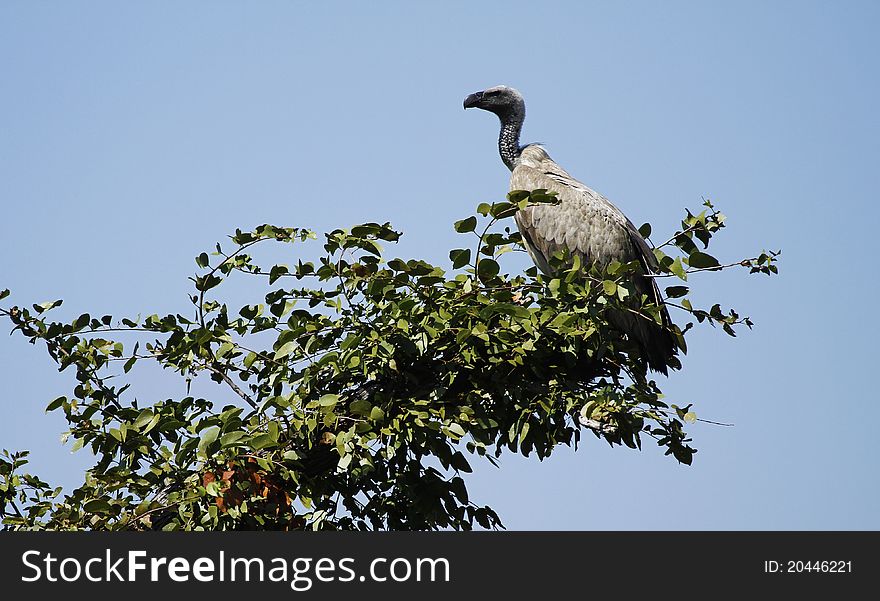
(365, 386)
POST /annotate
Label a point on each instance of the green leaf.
(205, 283)
(143, 418)
(224, 348)
(153, 423)
(487, 269)
(676, 291)
(456, 429)
(129, 364)
(361, 407)
(202, 260)
(700, 260)
(96, 506)
(230, 438)
(609, 287)
(645, 230)
(460, 257)
(276, 272)
(286, 349)
(208, 436)
(458, 488)
(460, 463)
(466, 225)
(262, 441)
(500, 210)
(677, 268)
(55, 404)
(350, 341)
(543, 197)
(328, 400)
(43, 307)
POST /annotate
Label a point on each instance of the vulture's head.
(500, 100)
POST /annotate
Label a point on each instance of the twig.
(709, 421)
(681, 233)
(162, 508)
(242, 247)
(15, 507)
(257, 271)
(232, 385)
(480, 247)
(743, 263)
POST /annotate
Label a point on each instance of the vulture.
(582, 223)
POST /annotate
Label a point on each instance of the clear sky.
(132, 137)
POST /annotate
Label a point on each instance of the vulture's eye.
(492, 93)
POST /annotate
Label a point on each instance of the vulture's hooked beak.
(473, 100)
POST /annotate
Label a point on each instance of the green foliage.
(365, 386)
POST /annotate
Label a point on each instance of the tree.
(362, 395)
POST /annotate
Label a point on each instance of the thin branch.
(238, 251)
(671, 412)
(232, 385)
(131, 357)
(681, 233)
(480, 247)
(15, 508)
(709, 317)
(709, 421)
(258, 272)
(742, 263)
(109, 329)
(338, 272)
(162, 508)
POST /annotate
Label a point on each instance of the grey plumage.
(583, 223)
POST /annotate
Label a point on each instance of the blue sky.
(132, 137)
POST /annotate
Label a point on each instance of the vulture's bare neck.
(508, 139)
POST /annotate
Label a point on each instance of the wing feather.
(584, 221)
